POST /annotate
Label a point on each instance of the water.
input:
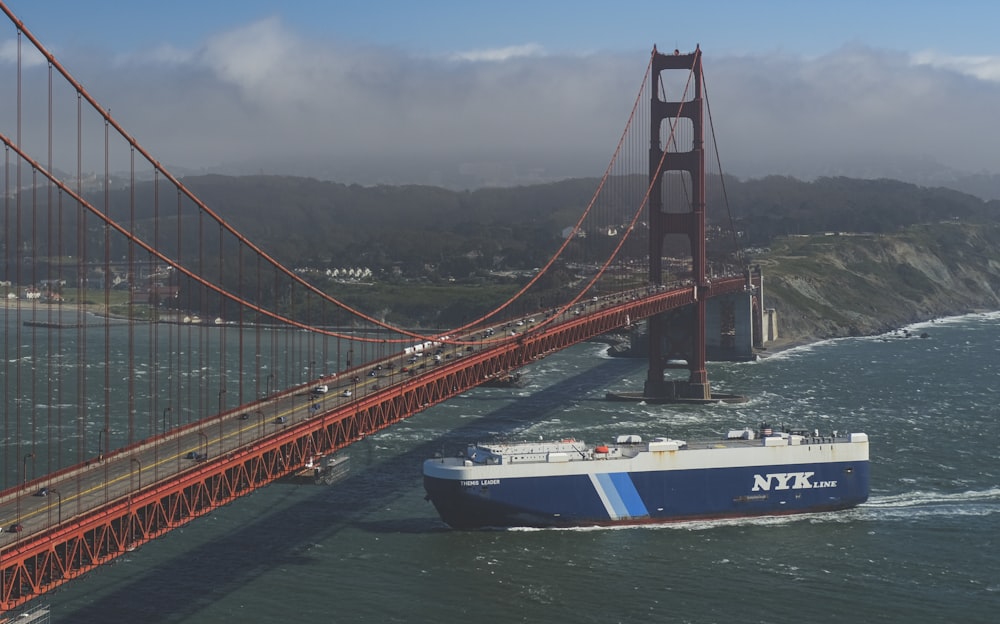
(370, 549)
(66, 385)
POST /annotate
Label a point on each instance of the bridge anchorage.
(677, 338)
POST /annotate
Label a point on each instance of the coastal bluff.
(842, 284)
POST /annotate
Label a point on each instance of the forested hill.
(779, 206)
(841, 256)
(307, 221)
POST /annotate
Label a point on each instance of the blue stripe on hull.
(623, 500)
(650, 496)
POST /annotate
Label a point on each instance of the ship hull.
(685, 485)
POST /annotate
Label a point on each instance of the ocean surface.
(925, 548)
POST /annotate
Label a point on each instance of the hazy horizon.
(303, 90)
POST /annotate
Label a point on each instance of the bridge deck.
(94, 512)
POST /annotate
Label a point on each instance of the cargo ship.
(749, 472)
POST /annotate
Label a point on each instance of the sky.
(469, 92)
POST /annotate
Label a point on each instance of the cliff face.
(850, 285)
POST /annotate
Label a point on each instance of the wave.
(600, 351)
(806, 349)
(955, 320)
(919, 498)
(908, 506)
(799, 351)
(702, 525)
(58, 406)
(905, 505)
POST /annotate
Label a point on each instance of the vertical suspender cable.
(157, 411)
(106, 285)
(223, 360)
(19, 280)
(10, 448)
(275, 369)
(130, 277)
(36, 353)
(82, 294)
(182, 413)
(258, 355)
(53, 441)
(240, 323)
(205, 405)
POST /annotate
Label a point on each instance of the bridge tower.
(687, 220)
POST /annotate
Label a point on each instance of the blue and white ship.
(570, 483)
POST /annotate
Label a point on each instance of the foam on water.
(918, 498)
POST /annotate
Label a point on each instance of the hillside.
(832, 286)
(902, 253)
(307, 221)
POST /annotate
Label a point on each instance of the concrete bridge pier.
(729, 337)
(736, 325)
(733, 325)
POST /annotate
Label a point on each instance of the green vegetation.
(423, 231)
(93, 297)
(827, 286)
(425, 305)
(839, 255)
(414, 230)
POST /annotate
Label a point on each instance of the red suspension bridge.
(159, 364)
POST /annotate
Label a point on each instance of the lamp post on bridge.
(166, 411)
(100, 445)
(204, 436)
(24, 468)
(222, 406)
(136, 460)
(59, 502)
(270, 389)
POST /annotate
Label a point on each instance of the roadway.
(121, 475)
(44, 503)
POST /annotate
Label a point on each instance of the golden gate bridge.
(159, 364)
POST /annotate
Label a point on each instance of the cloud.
(261, 93)
(499, 55)
(857, 106)
(30, 57)
(981, 67)
(263, 98)
(263, 59)
(164, 54)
